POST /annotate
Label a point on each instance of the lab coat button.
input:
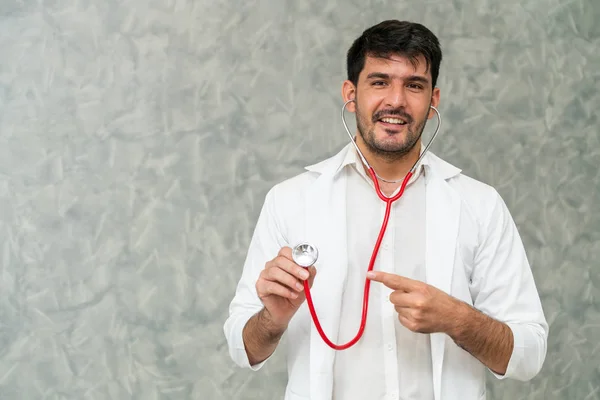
(390, 347)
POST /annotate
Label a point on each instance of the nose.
(396, 96)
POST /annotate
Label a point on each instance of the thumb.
(312, 273)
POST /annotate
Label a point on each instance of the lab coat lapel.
(443, 212)
(326, 228)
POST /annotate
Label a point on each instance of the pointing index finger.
(392, 281)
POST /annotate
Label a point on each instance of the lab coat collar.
(333, 165)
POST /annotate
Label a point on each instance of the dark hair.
(392, 37)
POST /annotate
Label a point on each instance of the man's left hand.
(421, 307)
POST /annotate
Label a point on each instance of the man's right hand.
(280, 288)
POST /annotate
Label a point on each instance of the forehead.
(396, 65)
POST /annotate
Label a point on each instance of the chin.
(392, 140)
(388, 147)
(399, 144)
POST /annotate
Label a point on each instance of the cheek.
(366, 109)
(361, 112)
(422, 108)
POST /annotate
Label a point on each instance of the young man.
(452, 293)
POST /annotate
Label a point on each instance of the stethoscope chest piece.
(305, 254)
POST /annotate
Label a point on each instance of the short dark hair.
(393, 37)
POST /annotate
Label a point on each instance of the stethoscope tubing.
(389, 201)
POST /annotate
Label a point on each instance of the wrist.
(273, 328)
(461, 316)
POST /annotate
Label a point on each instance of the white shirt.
(474, 253)
(390, 361)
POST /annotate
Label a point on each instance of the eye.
(378, 83)
(415, 86)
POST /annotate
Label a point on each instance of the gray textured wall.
(138, 139)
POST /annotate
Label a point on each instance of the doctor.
(452, 293)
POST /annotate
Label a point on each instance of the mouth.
(392, 123)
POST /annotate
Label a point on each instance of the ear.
(435, 101)
(349, 93)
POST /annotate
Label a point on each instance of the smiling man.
(451, 295)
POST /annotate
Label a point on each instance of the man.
(452, 293)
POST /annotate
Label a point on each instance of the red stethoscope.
(306, 255)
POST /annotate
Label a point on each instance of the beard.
(393, 149)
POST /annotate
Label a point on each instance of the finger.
(313, 272)
(393, 281)
(402, 299)
(403, 312)
(268, 288)
(407, 322)
(283, 277)
(289, 266)
(286, 252)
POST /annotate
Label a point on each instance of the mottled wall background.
(138, 139)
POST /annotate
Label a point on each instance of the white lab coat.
(474, 253)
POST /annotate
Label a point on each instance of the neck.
(391, 167)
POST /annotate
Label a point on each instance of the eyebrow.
(411, 78)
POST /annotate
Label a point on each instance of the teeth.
(393, 121)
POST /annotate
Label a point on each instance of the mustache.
(392, 113)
